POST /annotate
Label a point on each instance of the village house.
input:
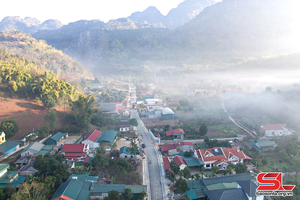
(75, 151)
(271, 130)
(35, 149)
(172, 149)
(175, 134)
(84, 186)
(9, 178)
(7, 147)
(261, 145)
(220, 157)
(126, 152)
(91, 139)
(55, 138)
(238, 186)
(180, 162)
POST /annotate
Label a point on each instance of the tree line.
(23, 77)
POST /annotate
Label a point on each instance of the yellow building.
(2, 137)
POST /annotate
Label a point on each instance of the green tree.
(50, 183)
(133, 122)
(187, 172)
(127, 194)
(174, 167)
(83, 110)
(203, 130)
(215, 169)
(240, 168)
(197, 176)
(48, 101)
(136, 177)
(141, 196)
(202, 169)
(185, 102)
(114, 195)
(181, 186)
(171, 176)
(51, 119)
(9, 127)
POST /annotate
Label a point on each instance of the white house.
(275, 130)
(91, 139)
(221, 157)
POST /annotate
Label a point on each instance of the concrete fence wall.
(157, 139)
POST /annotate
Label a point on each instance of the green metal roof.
(266, 143)
(227, 179)
(4, 179)
(192, 194)
(108, 136)
(220, 186)
(17, 181)
(3, 167)
(197, 184)
(8, 145)
(126, 150)
(135, 189)
(48, 147)
(58, 136)
(71, 188)
(196, 193)
(102, 188)
(43, 152)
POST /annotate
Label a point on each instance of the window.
(125, 156)
(207, 165)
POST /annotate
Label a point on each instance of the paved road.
(151, 154)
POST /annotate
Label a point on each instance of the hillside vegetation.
(44, 56)
(24, 78)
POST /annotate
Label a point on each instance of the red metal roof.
(120, 108)
(169, 147)
(178, 131)
(179, 160)
(93, 135)
(73, 148)
(186, 143)
(86, 159)
(273, 126)
(166, 163)
(74, 155)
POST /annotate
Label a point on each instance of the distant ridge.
(28, 24)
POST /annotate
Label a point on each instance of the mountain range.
(178, 16)
(28, 24)
(221, 35)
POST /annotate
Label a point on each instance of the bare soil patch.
(28, 114)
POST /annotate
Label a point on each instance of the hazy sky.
(69, 11)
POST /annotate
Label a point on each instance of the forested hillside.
(223, 34)
(43, 55)
(23, 77)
